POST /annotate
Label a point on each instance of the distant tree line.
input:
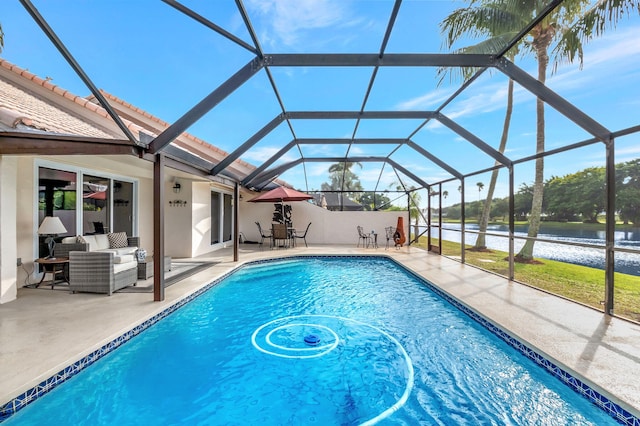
(577, 196)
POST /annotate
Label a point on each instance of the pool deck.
(43, 331)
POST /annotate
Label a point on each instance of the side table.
(145, 268)
(53, 266)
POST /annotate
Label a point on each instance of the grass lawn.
(580, 283)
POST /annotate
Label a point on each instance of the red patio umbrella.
(281, 194)
(100, 195)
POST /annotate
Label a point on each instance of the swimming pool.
(385, 348)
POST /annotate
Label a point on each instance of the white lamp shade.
(51, 225)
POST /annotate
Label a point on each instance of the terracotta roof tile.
(40, 114)
(209, 151)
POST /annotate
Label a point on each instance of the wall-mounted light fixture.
(176, 187)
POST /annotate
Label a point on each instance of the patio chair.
(279, 232)
(100, 272)
(303, 236)
(365, 238)
(389, 230)
(263, 235)
(98, 227)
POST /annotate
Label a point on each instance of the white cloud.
(622, 47)
(429, 100)
(631, 150)
(317, 169)
(288, 20)
(262, 154)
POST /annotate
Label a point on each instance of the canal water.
(627, 263)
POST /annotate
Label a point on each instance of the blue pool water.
(318, 341)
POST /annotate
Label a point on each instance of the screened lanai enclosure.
(491, 121)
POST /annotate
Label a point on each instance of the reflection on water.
(627, 263)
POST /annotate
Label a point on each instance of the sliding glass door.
(96, 203)
(123, 207)
(221, 217)
(56, 197)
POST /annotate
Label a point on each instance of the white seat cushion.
(119, 267)
(122, 251)
(123, 259)
(102, 242)
(91, 240)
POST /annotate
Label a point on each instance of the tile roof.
(21, 106)
(38, 105)
(187, 141)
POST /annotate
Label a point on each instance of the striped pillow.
(117, 239)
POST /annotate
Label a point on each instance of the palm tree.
(568, 26)
(480, 188)
(470, 22)
(1, 38)
(343, 179)
(415, 212)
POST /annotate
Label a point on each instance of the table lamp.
(51, 226)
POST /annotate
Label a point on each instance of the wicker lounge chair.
(98, 272)
(102, 270)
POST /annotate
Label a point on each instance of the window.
(86, 203)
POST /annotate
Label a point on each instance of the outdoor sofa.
(101, 263)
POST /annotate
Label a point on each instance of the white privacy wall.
(328, 227)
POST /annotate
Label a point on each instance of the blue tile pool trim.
(614, 410)
(29, 396)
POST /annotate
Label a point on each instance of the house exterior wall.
(29, 101)
(19, 215)
(8, 245)
(177, 220)
(187, 229)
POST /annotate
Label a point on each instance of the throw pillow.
(117, 239)
(80, 239)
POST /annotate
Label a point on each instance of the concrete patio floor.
(43, 331)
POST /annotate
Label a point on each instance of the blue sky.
(154, 57)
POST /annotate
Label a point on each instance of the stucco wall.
(188, 228)
(327, 227)
(19, 214)
(8, 245)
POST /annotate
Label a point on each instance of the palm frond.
(603, 15)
